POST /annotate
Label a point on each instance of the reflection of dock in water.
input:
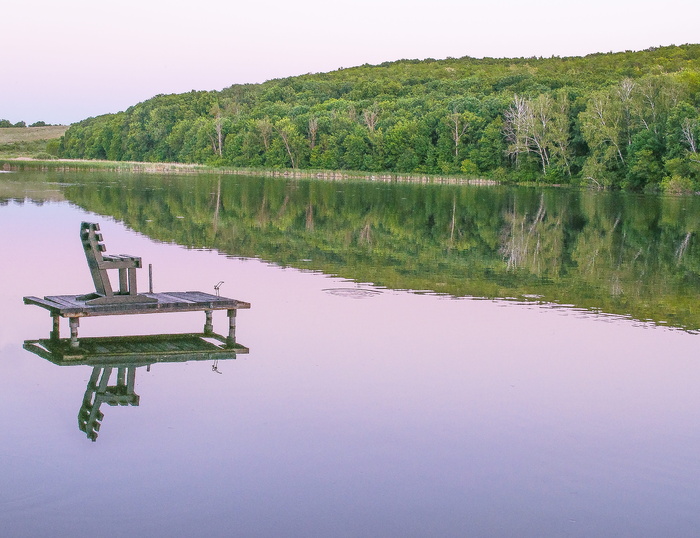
(124, 354)
(136, 350)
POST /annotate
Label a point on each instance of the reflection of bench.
(98, 392)
(99, 264)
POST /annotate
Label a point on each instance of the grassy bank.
(31, 134)
(42, 142)
(65, 165)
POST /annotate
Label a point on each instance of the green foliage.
(678, 185)
(608, 119)
(43, 156)
(53, 147)
(644, 160)
(26, 148)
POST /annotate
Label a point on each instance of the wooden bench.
(99, 263)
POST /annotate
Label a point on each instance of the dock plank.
(189, 301)
(68, 301)
(172, 298)
(198, 296)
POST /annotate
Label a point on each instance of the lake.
(424, 360)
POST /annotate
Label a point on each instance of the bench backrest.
(94, 247)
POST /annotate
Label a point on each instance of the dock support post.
(56, 330)
(121, 377)
(231, 340)
(208, 323)
(74, 323)
(131, 380)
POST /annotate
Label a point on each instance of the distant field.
(11, 135)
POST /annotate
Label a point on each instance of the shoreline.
(72, 165)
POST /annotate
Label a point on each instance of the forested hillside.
(628, 120)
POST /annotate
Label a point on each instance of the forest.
(627, 120)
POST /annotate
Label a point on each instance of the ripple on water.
(353, 293)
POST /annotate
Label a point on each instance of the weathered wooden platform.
(74, 307)
(135, 351)
(174, 301)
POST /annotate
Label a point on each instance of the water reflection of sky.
(402, 414)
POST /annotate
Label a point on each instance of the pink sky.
(65, 61)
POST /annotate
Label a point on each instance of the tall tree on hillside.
(605, 125)
(291, 139)
(539, 126)
(370, 116)
(224, 112)
(264, 127)
(313, 131)
(560, 134)
(217, 139)
(526, 123)
(652, 100)
(688, 128)
(459, 123)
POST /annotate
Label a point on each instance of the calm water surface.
(542, 382)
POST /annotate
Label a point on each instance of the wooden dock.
(105, 301)
(75, 307)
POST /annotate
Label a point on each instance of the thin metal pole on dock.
(150, 278)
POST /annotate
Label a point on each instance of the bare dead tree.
(282, 129)
(688, 129)
(538, 139)
(458, 126)
(264, 127)
(313, 130)
(515, 127)
(370, 115)
(218, 142)
(527, 127)
(625, 89)
(285, 139)
(625, 94)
